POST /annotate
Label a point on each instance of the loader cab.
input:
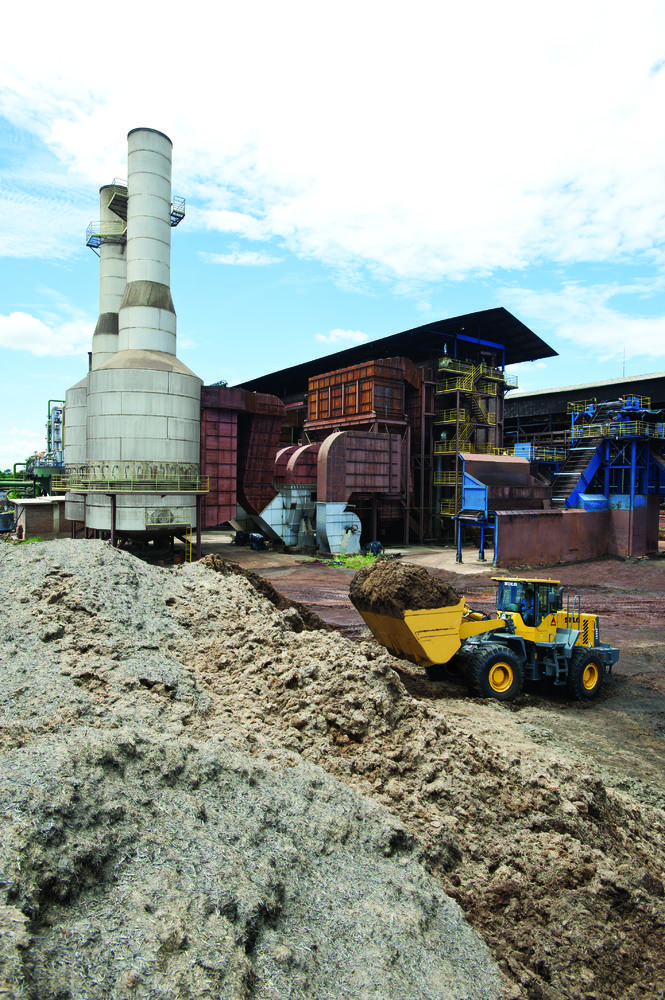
(532, 600)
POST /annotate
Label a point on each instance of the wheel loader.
(531, 638)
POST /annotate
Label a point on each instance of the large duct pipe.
(112, 273)
(147, 318)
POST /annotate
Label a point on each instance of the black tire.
(453, 670)
(585, 674)
(495, 671)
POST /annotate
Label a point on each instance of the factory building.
(424, 436)
(377, 436)
(542, 417)
(420, 436)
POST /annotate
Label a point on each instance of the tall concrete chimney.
(147, 318)
(144, 405)
(112, 270)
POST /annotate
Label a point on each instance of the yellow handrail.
(78, 483)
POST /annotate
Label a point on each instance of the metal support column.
(407, 483)
(199, 506)
(496, 539)
(113, 503)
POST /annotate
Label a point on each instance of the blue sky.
(351, 170)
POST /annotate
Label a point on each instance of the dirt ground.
(621, 735)
(623, 731)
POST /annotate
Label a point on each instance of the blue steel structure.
(616, 453)
(616, 460)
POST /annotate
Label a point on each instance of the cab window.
(509, 596)
(515, 595)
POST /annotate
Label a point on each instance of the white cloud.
(457, 140)
(248, 258)
(340, 338)
(17, 444)
(583, 315)
(225, 221)
(22, 332)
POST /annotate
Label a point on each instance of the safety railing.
(631, 399)
(536, 453)
(77, 483)
(447, 478)
(449, 507)
(620, 429)
(486, 417)
(451, 417)
(111, 231)
(454, 445)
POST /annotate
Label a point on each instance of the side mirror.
(555, 601)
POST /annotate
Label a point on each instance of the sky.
(350, 170)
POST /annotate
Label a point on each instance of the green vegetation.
(356, 561)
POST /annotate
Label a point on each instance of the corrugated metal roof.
(421, 344)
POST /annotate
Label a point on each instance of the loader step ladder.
(561, 652)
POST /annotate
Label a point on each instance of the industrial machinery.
(532, 638)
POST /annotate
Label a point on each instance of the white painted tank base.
(74, 430)
(75, 506)
(337, 530)
(142, 513)
(143, 414)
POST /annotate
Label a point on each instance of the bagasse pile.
(162, 835)
(390, 588)
(201, 798)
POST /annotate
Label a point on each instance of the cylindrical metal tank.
(144, 405)
(74, 440)
(112, 272)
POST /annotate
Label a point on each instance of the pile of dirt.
(199, 797)
(310, 621)
(390, 587)
(160, 836)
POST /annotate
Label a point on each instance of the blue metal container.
(7, 521)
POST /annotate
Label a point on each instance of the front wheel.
(585, 674)
(495, 671)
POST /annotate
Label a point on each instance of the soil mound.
(391, 588)
(163, 835)
(310, 621)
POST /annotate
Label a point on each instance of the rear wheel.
(495, 671)
(585, 674)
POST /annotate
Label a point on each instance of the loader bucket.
(423, 637)
(430, 636)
